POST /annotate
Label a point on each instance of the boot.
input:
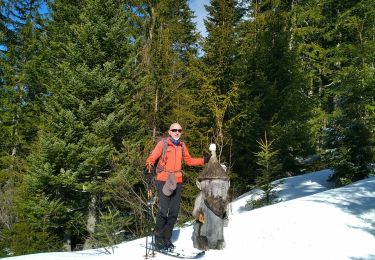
(169, 246)
(160, 244)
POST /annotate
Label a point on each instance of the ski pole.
(150, 202)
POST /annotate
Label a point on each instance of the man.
(170, 152)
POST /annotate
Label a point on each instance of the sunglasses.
(175, 130)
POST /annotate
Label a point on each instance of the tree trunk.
(67, 241)
(91, 221)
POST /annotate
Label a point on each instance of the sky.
(200, 12)
(196, 5)
(311, 221)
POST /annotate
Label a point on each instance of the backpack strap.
(163, 152)
(165, 145)
(158, 167)
(182, 146)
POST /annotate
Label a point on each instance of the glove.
(149, 167)
(206, 158)
(148, 178)
(148, 173)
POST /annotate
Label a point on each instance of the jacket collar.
(174, 142)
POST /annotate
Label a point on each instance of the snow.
(312, 221)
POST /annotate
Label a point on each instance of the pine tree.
(272, 92)
(217, 72)
(169, 40)
(336, 46)
(269, 168)
(92, 114)
(20, 87)
(21, 96)
(353, 92)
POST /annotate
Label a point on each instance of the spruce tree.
(21, 96)
(169, 40)
(269, 168)
(20, 87)
(273, 96)
(217, 72)
(353, 90)
(335, 42)
(92, 114)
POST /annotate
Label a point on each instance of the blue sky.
(196, 5)
(200, 12)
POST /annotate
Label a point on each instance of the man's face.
(175, 131)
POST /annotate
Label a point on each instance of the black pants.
(169, 207)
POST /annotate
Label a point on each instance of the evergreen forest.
(88, 87)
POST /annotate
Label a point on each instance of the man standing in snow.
(170, 152)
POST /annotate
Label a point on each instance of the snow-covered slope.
(312, 222)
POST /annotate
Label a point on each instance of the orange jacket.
(172, 161)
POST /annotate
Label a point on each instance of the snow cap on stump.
(213, 169)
